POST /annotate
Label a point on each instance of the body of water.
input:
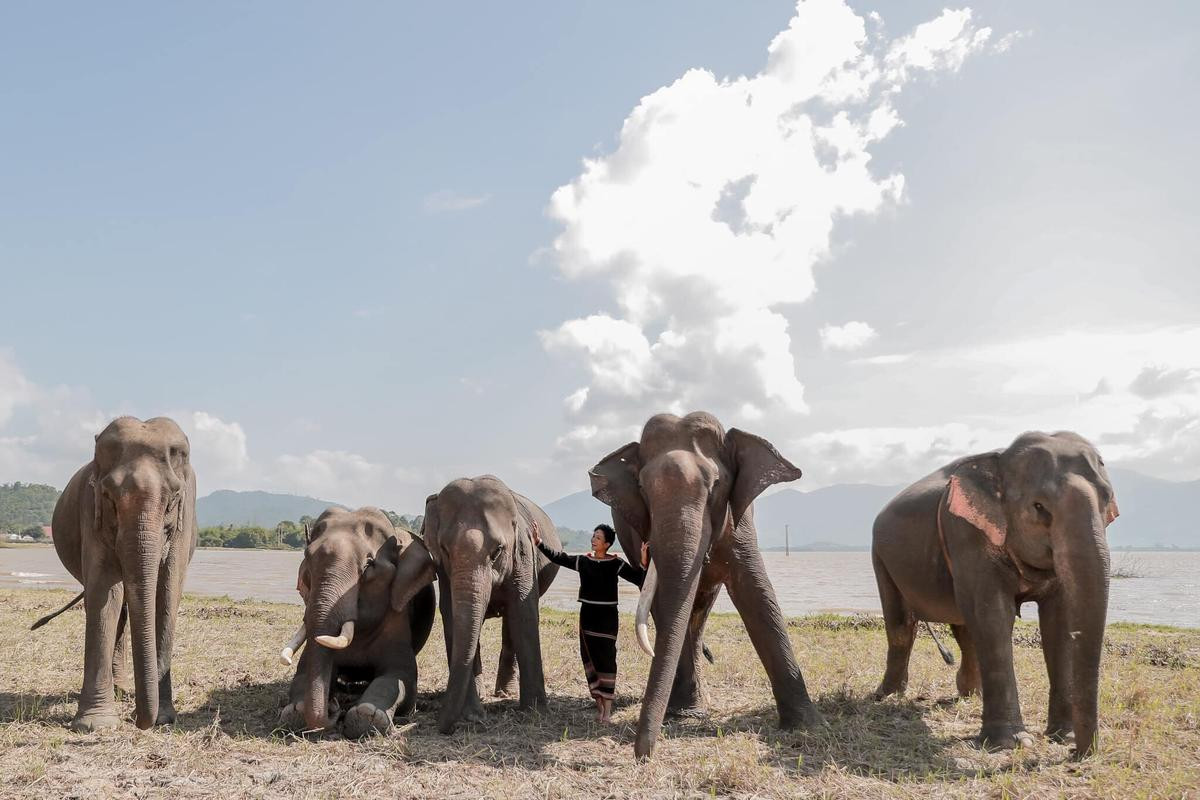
(1166, 592)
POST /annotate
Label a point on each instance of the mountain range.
(832, 517)
(840, 516)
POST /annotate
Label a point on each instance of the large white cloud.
(719, 199)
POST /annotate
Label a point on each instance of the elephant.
(969, 543)
(478, 533)
(686, 487)
(125, 528)
(363, 622)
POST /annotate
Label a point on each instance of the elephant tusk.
(342, 640)
(294, 644)
(643, 609)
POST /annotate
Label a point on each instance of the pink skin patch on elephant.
(1112, 512)
(961, 504)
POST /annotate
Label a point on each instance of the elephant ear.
(302, 585)
(755, 464)
(615, 483)
(414, 571)
(429, 527)
(975, 494)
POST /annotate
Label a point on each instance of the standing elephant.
(971, 542)
(478, 532)
(368, 611)
(125, 527)
(686, 488)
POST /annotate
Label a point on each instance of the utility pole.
(787, 541)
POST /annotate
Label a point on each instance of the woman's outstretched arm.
(557, 556)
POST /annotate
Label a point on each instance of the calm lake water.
(1168, 591)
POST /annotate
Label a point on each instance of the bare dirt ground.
(229, 688)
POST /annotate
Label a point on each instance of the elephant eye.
(370, 563)
(1043, 515)
(496, 553)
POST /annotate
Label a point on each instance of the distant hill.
(23, 505)
(579, 511)
(1154, 513)
(226, 507)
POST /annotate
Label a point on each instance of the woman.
(598, 573)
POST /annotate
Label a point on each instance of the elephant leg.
(104, 598)
(506, 669)
(754, 597)
(989, 613)
(372, 714)
(521, 628)
(1056, 648)
(687, 694)
(967, 680)
(122, 676)
(901, 627)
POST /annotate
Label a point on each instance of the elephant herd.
(965, 545)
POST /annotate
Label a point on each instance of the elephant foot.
(291, 718)
(806, 718)
(365, 719)
(166, 714)
(91, 721)
(889, 687)
(968, 685)
(539, 703)
(1003, 737)
(509, 689)
(1060, 732)
(698, 711)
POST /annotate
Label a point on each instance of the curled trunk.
(469, 596)
(1081, 561)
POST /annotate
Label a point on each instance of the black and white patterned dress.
(598, 621)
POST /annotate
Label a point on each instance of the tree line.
(26, 507)
(286, 535)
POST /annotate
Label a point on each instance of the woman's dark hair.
(610, 535)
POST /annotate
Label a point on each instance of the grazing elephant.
(368, 611)
(687, 487)
(125, 527)
(478, 532)
(971, 542)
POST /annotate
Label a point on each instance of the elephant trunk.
(1081, 560)
(334, 605)
(470, 591)
(680, 547)
(141, 555)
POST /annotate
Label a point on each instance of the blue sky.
(326, 241)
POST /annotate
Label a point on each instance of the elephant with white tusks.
(125, 527)
(686, 487)
(368, 612)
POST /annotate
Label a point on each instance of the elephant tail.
(947, 656)
(49, 617)
(707, 653)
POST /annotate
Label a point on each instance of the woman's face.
(599, 543)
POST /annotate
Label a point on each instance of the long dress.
(598, 621)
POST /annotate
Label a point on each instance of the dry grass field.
(229, 688)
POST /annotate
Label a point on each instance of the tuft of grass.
(229, 689)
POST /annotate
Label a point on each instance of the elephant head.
(1046, 501)
(683, 485)
(357, 569)
(144, 491)
(470, 529)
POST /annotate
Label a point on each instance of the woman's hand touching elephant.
(533, 531)
(645, 555)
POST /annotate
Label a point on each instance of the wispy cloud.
(851, 336)
(446, 201)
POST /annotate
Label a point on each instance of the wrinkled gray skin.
(357, 567)
(478, 532)
(125, 527)
(687, 487)
(1022, 524)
